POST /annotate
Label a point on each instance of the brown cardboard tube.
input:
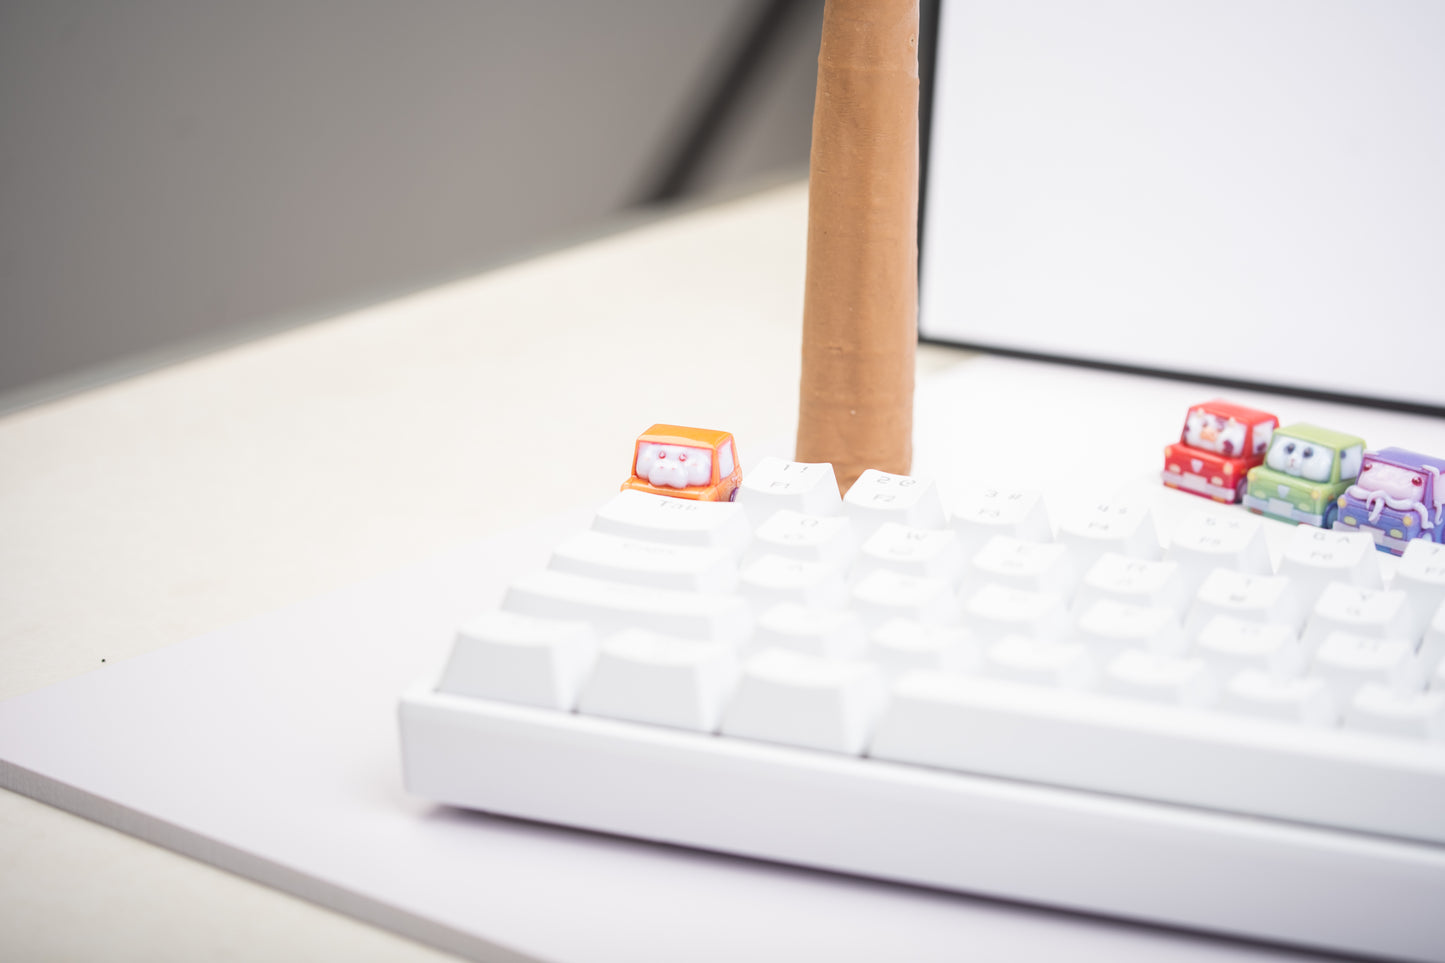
(860, 301)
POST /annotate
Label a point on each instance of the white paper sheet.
(270, 748)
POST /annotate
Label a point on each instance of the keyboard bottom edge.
(1154, 863)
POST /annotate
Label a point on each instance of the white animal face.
(1213, 433)
(674, 466)
(1302, 459)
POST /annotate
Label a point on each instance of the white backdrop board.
(1246, 190)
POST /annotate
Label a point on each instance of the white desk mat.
(269, 749)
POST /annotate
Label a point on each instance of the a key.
(675, 521)
(1230, 645)
(994, 611)
(612, 607)
(804, 701)
(1261, 598)
(518, 658)
(1346, 662)
(1378, 613)
(684, 568)
(1108, 627)
(1140, 674)
(1316, 557)
(646, 677)
(1204, 541)
(810, 538)
(1086, 739)
(1036, 662)
(776, 485)
(1132, 581)
(1421, 576)
(1260, 693)
(777, 578)
(981, 513)
(878, 497)
(884, 594)
(1432, 646)
(1033, 566)
(1379, 708)
(913, 551)
(1122, 526)
(836, 634)
(900, 645)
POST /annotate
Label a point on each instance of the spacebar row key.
(1095, 742)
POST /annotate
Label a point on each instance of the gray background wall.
(175, 174)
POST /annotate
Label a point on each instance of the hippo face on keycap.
(1399, 486)
(1302, 459)
(674, 466)
(695, 464)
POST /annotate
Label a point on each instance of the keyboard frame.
(1071, 849)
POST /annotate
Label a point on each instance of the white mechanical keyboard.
(1157, 708)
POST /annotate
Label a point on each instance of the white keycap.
(811, 538)
(878, 497)
(913, 551)
(1140, 674)
(1346, 662)
(612, 606)
(1315, 557)
(774, 485)
(1207, 759)
(884, 594)
(980, 513)
(1133, 581)
(675, 521)
(1122, 526)
(1432, 646)
(830, 634)
(1033, 566)
(684, 568)
(1259, 693)
(804, 701)
(1230, 645)
(1261, 598)
(1379, 708)
(1421, 576)
(518, 658)
(900, 645)
(1108, 627)
(645, 677)
(1377, 613)
(1204, 541)
(777, 578)
(1036, 662)
(994, 611)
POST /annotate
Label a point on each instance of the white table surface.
(142, 514)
